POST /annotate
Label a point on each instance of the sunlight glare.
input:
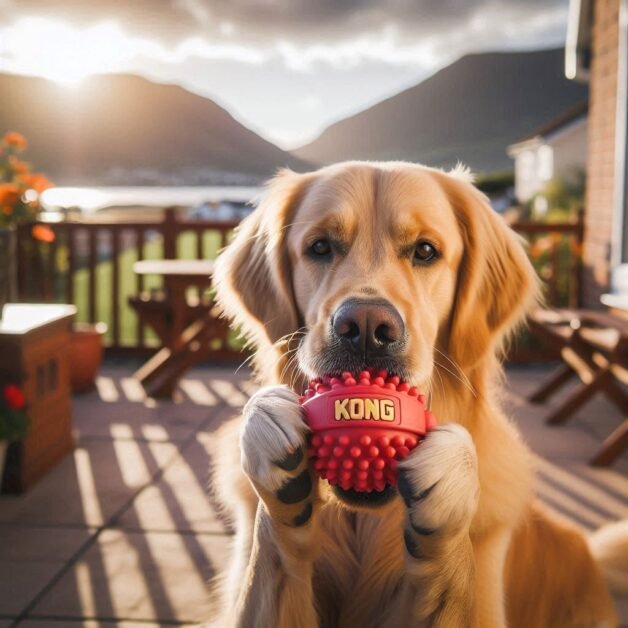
(84, 588)
(64, 54)
(227, 391)
(107, 389)
(92, 513)
(198, 392)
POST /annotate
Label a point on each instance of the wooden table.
(178, 276)
(34, 342)
(617, 304)
(185, 324)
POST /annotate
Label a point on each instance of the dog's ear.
(252, 276)
(497, 284)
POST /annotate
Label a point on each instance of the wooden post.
(579, 267)
(71, 263)
(115, 285)
(92, 259)
(21, 235)
(170, 229)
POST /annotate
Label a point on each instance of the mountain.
(469, 111)
(123, 129)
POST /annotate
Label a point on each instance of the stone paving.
(122, 533)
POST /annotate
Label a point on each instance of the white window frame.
(619, 234)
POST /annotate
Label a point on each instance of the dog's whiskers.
(464, 382)
(291, 354)
(455, 366)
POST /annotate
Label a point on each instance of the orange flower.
(17, 165)
(15, 139)
(37, 182)
(7, 210)
(9, 194)
(43, 233)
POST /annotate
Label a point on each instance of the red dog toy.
(362, 429)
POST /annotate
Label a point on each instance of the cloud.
(271, 61)
(304, 34)
(302, 23)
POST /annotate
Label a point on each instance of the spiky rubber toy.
(362, 427)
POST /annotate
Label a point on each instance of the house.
(597, 52)
(556, 150)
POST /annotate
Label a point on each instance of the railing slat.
(69, 280)
(92, 259)
(199, 243)
(139, 282)
(50, 270)
(22, 287)
(555, 268)
(115, 286)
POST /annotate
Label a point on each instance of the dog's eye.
(424, 253)
(321, 248)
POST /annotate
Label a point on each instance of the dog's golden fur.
(496, 559)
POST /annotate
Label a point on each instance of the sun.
(61, 52)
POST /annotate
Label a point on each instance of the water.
(93, 199)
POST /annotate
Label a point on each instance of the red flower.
(14, 397)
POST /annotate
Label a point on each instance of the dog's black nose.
(369, 327)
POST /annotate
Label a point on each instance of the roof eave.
(578, 42)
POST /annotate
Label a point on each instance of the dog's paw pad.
(412, 545)
(438, 482)
(406, 490)
(303, 517)
(273, 437)
(291, 460)
(296, 489)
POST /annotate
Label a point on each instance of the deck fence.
(89, 263)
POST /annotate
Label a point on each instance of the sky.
(284, 68)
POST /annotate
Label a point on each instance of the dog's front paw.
(274, 454)
(439, 485)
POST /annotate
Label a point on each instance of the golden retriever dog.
(404, 268)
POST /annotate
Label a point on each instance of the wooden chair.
(594, 348)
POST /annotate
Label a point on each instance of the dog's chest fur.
(359, 567)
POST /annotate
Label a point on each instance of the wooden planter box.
(34, 341)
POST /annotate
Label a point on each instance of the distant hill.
(126, 130)
(469, 111)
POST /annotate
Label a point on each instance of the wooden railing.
(555, 250)
(89, 263)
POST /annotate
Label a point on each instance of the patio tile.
(180, 500)
(39, 543)
(21, 582)
(151, 420)
(139, 577)
(577, 439)
(88, 487)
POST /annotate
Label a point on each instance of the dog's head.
(393, 265)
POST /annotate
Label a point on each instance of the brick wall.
(601, 157)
